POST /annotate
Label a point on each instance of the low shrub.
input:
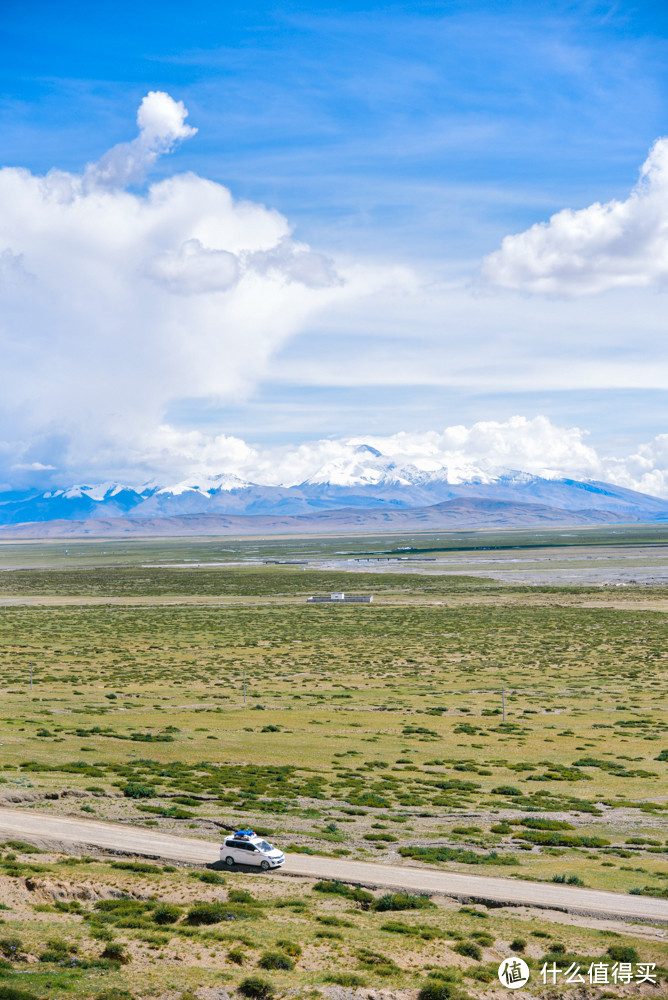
(484, 938)
(240, 896)
(166, 913)
(466, 857)
(469, 949)
(135, 790)
(290, 947)
(550, 838)
(210, 878)
(361, 896)
(276, 960)
(567, 879)
(11, 947)
(115, 952)
(402, 901)
(381, 964)
(256, 988)
(21, 846)
(518, 944)
(425, 931)
(206, 913)
(622, 953)
(438, 989)
(540, 823)
(506, 790)
(345, 979)
(236, 955)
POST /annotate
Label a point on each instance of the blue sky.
(403, 138)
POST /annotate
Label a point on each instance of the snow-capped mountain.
(363, 479)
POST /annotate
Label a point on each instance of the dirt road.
(64, 832)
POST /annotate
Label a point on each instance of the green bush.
(506, 790)
(539, 823)
(448, 975)
(236, 955)
(166, 913)
(402, 901)
(518, 944)
(433, 855)
(550, 838)
(469, 949)
(289, 947)
(11, 947)
(210, 878)
(240, 896)
(622, 953)
(425, 931)
(275, 960)
(115, 952)
(134, 790)
(381, 964)
(256, 988)
(438, 989)
(484, 938)
(21, 846)
(206, 913)
(345, 979)
(361, 896)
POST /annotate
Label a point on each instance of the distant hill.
(461, 513)
(357, 487)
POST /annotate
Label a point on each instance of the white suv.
(246, 848)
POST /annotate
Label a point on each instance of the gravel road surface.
(62, 832)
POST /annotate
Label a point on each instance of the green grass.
(369, 732)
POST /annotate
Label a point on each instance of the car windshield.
(264, 846)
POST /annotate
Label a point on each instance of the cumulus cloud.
(617, 244)
(476, 452)
(161, 121)
(113, 302)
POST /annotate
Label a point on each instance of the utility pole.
(503, 700)
(244, 685)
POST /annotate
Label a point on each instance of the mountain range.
(362, 490)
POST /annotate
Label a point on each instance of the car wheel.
(265, 866)
(229, 861)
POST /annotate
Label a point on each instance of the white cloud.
(533, 445)
(115, 302)
(618, 244)
(161, 122)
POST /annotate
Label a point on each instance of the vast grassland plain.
(463, 721)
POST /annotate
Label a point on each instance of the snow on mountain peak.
(206, 484)
(99, 491)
